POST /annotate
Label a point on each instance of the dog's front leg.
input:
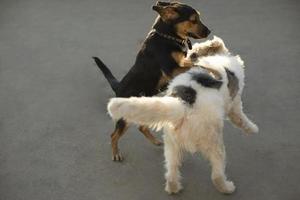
(239, 118)
(173, 162)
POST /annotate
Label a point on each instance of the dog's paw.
(224, 186)
(216, 44)
(187, 62)
(157, 142)
(117, 157)
(173, 187)
(251, 128)
(229, 187)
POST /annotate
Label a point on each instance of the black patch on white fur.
(187, 94)
(206, 80)
(233, 83)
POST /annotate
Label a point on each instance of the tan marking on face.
(183, 28)
(188, 26)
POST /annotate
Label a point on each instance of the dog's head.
(185, 20)
(207, 48)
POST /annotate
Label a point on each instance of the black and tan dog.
(159, 60)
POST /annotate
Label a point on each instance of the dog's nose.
(208, 31)
(205, 32)
(193, 56)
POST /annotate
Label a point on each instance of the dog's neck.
(165, 28)
(168, 31)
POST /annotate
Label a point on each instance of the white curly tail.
(151, 111)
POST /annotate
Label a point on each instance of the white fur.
(214, 46)
(192, 128)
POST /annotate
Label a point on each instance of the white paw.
(223, 186)
(229, 187)
(173, 187)
(251, 128)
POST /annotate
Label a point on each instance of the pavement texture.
(54, 128)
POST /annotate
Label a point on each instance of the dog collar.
(180, 41)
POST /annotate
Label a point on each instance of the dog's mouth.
(199, 36)
(195, 36)
(201, 33)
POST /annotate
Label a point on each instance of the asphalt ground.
(54, 127)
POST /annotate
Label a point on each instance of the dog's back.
(211, 103)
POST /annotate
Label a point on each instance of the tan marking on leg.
(179, 57)
(146, 132)
(163, 81)
(115, 136)
(179, 70)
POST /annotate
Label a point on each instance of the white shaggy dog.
(192, 114)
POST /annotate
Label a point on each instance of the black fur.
(206, 80)
(154, 59)
(233, 83)
(187, 94)
(114, 83)
(121, 124)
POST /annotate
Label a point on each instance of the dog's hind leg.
(120, 129)
(216, 157)
(173, 159)
(240, 119)
(146, 132)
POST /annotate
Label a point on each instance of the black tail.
(114, 83)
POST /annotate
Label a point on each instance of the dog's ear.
(166, 10)
(162, 3)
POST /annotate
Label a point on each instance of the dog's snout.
(203, 31)
(206, 31)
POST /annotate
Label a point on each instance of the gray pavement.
(54, 129)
